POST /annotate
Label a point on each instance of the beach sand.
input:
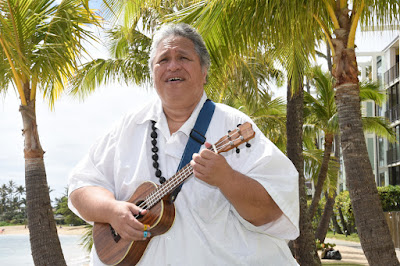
(22, 230)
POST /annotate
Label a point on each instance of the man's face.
(178, 75)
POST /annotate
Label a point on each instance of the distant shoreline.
(22, 230)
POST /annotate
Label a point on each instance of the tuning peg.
(238, 125)
(237, 150)
(248, 145)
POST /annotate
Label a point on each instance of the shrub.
(390, 198)
(343, 202)
(322, 246)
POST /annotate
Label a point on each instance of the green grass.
(352, 237)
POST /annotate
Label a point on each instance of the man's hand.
(249, 197)
(211, 167)
(124, 222)
(99, 205)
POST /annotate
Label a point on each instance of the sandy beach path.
(22, 230)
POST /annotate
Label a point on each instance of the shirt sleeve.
(96, 168)
(265, 163)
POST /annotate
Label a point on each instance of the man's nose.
(174, 65)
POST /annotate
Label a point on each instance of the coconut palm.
(226, 56)
(242, 81)
(273, 22)
(11, 190)
(40, 43)
(21, 191)
(322, 117)
(129, 53)
(281, 24)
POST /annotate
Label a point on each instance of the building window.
(381, 151)
(394, 176)
(382, 179)
(370, 109)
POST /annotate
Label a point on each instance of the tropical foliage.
(41, 43)
(321, 117)
(68, 217)
(289, 37)
(12, 203)
(288, 31)
(390, 198)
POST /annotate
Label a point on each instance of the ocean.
(16, 250)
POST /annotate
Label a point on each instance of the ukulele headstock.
(243, 133)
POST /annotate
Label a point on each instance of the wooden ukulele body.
(160, 217)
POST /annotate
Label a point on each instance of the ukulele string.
(184, 173)
(179, 177)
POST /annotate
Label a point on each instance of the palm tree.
(322, 116)
(40, 43)
(269, 115)
(3, 195)
(129, 53)
(280, 25)
(11, 191)
(20, 190)
(274, 22)
(227, 59)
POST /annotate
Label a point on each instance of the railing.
(392, 74)
(393, 220)
(393, 114)
(393, 155)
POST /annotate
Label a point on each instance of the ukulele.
(112, 249)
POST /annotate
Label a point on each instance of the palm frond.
(104, 71)
(312, 164)
(380, 126)
(372, 91)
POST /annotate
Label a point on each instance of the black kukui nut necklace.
(154, 149)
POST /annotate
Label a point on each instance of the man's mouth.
(174, 79)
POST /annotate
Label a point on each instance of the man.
(236, 210)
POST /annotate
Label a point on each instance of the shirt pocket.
(206, 201)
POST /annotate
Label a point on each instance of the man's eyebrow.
(180, 51)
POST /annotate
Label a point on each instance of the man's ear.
(204, 76)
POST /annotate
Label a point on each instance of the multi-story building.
(384, 67)
(391, 84)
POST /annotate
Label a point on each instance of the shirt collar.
(155, 112)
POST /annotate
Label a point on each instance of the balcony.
(393, 114)
(392, 74)
(393, 155)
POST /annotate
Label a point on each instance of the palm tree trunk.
(343, 221)
(323, 172)
(323, 226)
(371, 224)
(304, 247)
(336, 224)
(45, 245)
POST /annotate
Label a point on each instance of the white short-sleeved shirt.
(207, 229)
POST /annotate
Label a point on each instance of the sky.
(67, 132)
